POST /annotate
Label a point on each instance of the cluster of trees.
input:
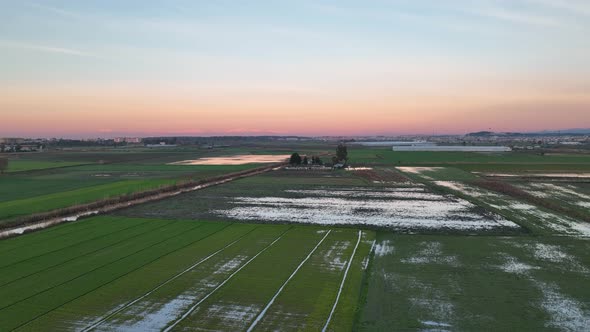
(297, 160)
(341, 157)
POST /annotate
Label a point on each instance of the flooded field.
(539, 175)
(363, 249)
(458, 283)
(235, 160)
(412, 208)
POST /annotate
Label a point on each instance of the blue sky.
(477, 56)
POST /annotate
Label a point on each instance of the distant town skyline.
(84, 69)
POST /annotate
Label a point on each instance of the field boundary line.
(263, 312)
(358, 241)
(75, 244)
(192, 309)
(129, 304)
(88, 253)
(110, 281)
(102, 266)
(40, 170)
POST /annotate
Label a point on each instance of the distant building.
(397, 143)
(448, 148)
(132, 140)
(12, 140)
(161, 145)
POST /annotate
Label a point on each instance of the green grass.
(15, 188)
(467, 159)
(24, 195)
(33, 296)
(311, 293)
(67, 276)
(27, 165)
(348, 308)
(79, 272)
(460, 281)
(26, 206)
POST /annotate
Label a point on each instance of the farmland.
(440, 241)
(189, 271)
(466, 283)
(45, 182)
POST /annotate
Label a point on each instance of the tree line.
(341, 158)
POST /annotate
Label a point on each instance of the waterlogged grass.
(196, 205)
(534, 218)
(122, 273)
(437, 173)
(465, 283)
(330, 198)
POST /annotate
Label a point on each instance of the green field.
(49, 185)
(475, 283)
(414, 242)
(151, 272)
(28, 165)
(472, 161)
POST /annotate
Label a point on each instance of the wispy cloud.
(514, 16)
(573, 6)
(54, 10)
(46, 48)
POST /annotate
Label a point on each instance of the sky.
(306, 67)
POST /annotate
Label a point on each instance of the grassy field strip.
(29, 165)
(62, 230)
(237, 304)
(358, 241)
(169, 280)
(26, 311)
(26, 288)
(45, 262)
(354, 291)
(73, 242)
(263, 312)
(20, 207)
(387, 156)
(168, 303)
(90, 307)
(191, 309)
(20, 186)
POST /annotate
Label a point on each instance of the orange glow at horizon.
(87, 112)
